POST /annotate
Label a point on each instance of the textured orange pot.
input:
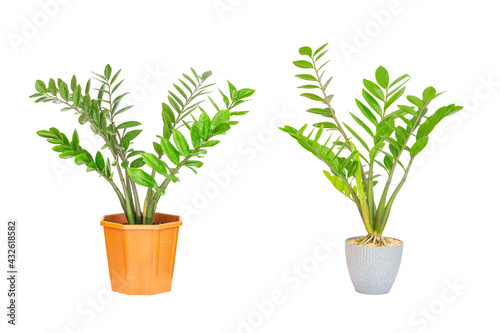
(141, 258)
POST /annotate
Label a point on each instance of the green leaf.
(318, 50)
(222, 128)
(244, 93)
(40, 86)
(75, 140)
(305, 50)
(307, 77)
(99, 161)
(376, 149)
(415, 101)
(87, 87)
(418, 146)
(402, 77)
(388, 162)
(321, 112)
(221, 117)
(211, 143)
(204, 124)
(372, 102)
(357, 137)
(172, 178)
(128, 137)
(394, 97)
(81, 159)
(128, 124)
(318, 134)
(77, 94)
(382, 77)
(373, 89)
(142, 178)
(61, 148)
(107, 71)
(196, 164)
(195, 135)
(225, 99)
(303, 64)
(309, 86)
(137, 163)
(52, 87)
(181, 143)
(239, 113)
(233, 92)
(206, 75)
(312, 96)
(326, 125)
(155, 163)
(366, 112)
(428, 94)
(170, 151)
(68, 154)
(46, 134)
(63, 90)
(168, 111)
(157, 147)
(73, 83)
(362, 124)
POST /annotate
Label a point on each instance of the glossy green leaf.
(63, 90)
(40, 86)
(399, 79)
(305, 50)
(318, 50)
(181, 143)
(373, 89)
(128, 137)
(366, 112)
(362, 124)
(245, 93)
(303, 64)
(418, 146)
(372, 102)
(154, 162)
(128, 124)
(307, 77)
(142, 178)
(221, 117)
(99, 160)
(382, 77)
(312, 96)
(415, 101)
(170, 151)
(107, 72)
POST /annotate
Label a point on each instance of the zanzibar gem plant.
(178, 114)
(395, 134)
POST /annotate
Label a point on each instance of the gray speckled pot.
(372, 269)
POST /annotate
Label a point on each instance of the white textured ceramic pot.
(372, 269)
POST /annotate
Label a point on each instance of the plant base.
(141, 258)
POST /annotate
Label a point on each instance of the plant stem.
(387, 209)
(149, 206)
(381, 205)
(368, 225)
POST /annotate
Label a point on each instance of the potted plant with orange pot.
(390, 140)
(140, 242)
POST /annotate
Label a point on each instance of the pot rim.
(355, 237)
(154, 226)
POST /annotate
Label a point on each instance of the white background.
(238, 247)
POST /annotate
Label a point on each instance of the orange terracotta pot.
(141, 258)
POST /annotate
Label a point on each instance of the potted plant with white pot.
(140, 242)
(393, 134)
